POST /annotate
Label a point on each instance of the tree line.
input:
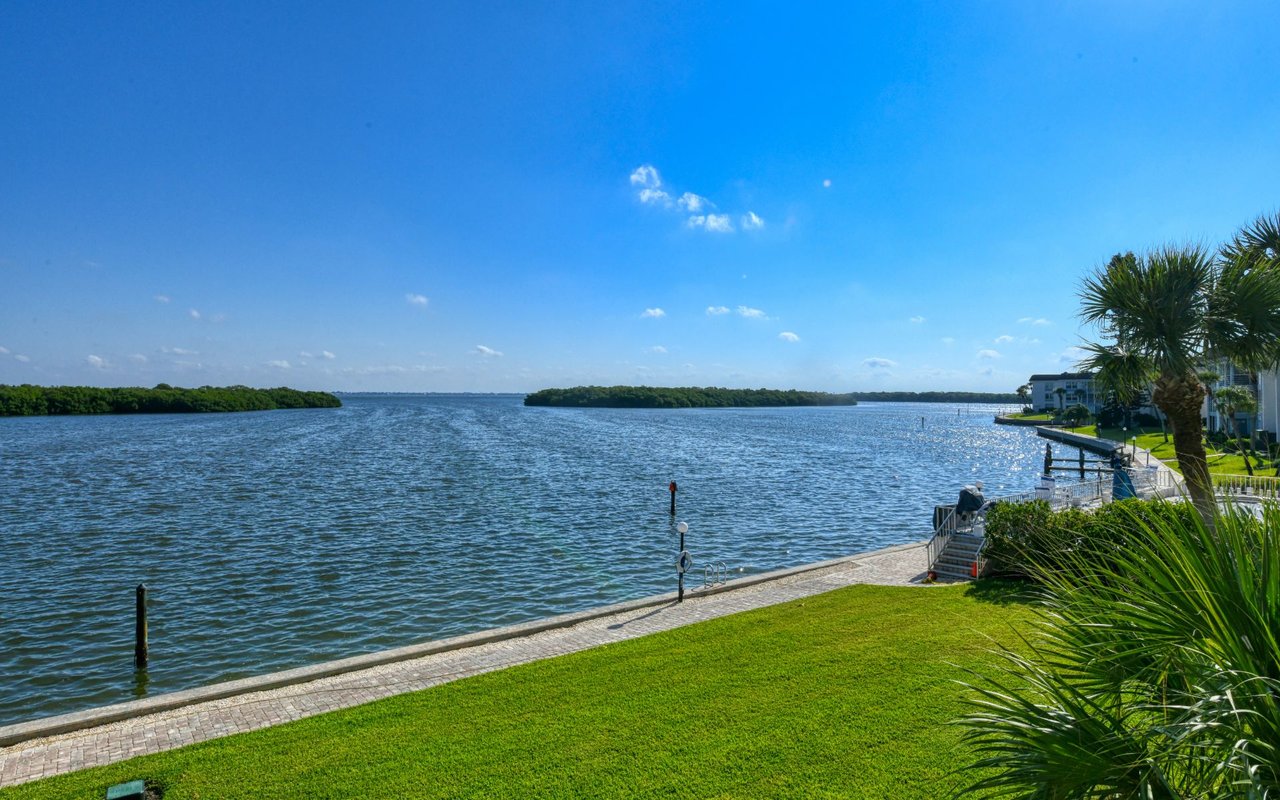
(681, 397)
(28, 400)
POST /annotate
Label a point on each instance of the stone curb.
(93, 717)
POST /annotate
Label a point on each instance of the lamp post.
(683, 561)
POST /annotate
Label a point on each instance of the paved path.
(106, 744)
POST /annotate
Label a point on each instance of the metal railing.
(942, 533)
(1261, 486)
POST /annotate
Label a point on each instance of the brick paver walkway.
(105, 744)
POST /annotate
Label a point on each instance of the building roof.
(1065, 376)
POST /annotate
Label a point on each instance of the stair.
(957, 559)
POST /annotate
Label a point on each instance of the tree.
(1208, 377)
(1024, 393)
(1061, 394)
(1176, 308)
(1076, 415)
(1152, 671)
(1237, 400)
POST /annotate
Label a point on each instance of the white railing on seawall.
(1261, 486)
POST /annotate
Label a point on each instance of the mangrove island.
(28, 401)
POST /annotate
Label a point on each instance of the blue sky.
(505, 197)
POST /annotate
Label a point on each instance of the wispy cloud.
(163, 298)
(193, 313)
(4, 350)
(948, 340)
(916, 320)
(22, 358)
(1005, 339)
(418, 300)
(788, 336)
(826, 183)
(657, 348)
(652, 313)
(652, 191)
(97, 362)
(693, 203)
(327, 356)
(1072, 355)
(178, 351)
(751, 313)
(879, 363)
(304, 354)
(988, 355)
(716, 311)
(1033, 321)
(280, 364)
(487, 352)
(138, 358)
(716, 223)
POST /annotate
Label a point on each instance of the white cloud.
(178, 351)
(646, 175)
(163, 298)
(281, 364)
(988, 354)
(194, 314)
(1072, 355)
(751, 222)
(418, 300)
(987, 371)
(654, 196)
(693, 203)
(948, 340)
(3, 350)
(916, 320)
(788, 336)
(879, 363)
(826, 183)
(657, 348)
(751, 313)
(97, 362)
(487, 352)
(653, 313)
(22, 358)
(1005, 339)
(304, 354)
(716, 311)
(327, 356)
(716, 223)
(138, 358)
(1033, 321)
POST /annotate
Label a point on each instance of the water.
(277, 539)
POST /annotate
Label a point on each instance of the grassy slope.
(1224, 463)
(840, 695)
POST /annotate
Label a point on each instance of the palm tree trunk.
(1180, 398)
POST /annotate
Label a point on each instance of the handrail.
(942, 534)
(1246, 485)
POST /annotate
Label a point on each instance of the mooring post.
(140, 627)
(1048, 459)
(1081, 463)
(672, 487)
(682, 561)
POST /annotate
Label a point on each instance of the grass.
(1219, 462)
(845, 694)
(1040, 415)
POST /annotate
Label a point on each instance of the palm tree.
(1153, 670)
(1024, 393)
(1175, 308)
(1061, 393)
(1208, 377)
(1237, 400)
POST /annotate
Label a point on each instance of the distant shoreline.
(715, 397)
(57, 401)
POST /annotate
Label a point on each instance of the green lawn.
(845, 694)
(1223, 463)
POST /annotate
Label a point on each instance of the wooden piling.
(140, 627)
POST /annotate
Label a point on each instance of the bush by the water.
(1024, 539)
(27, 400)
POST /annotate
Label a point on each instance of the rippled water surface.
(277, 539)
